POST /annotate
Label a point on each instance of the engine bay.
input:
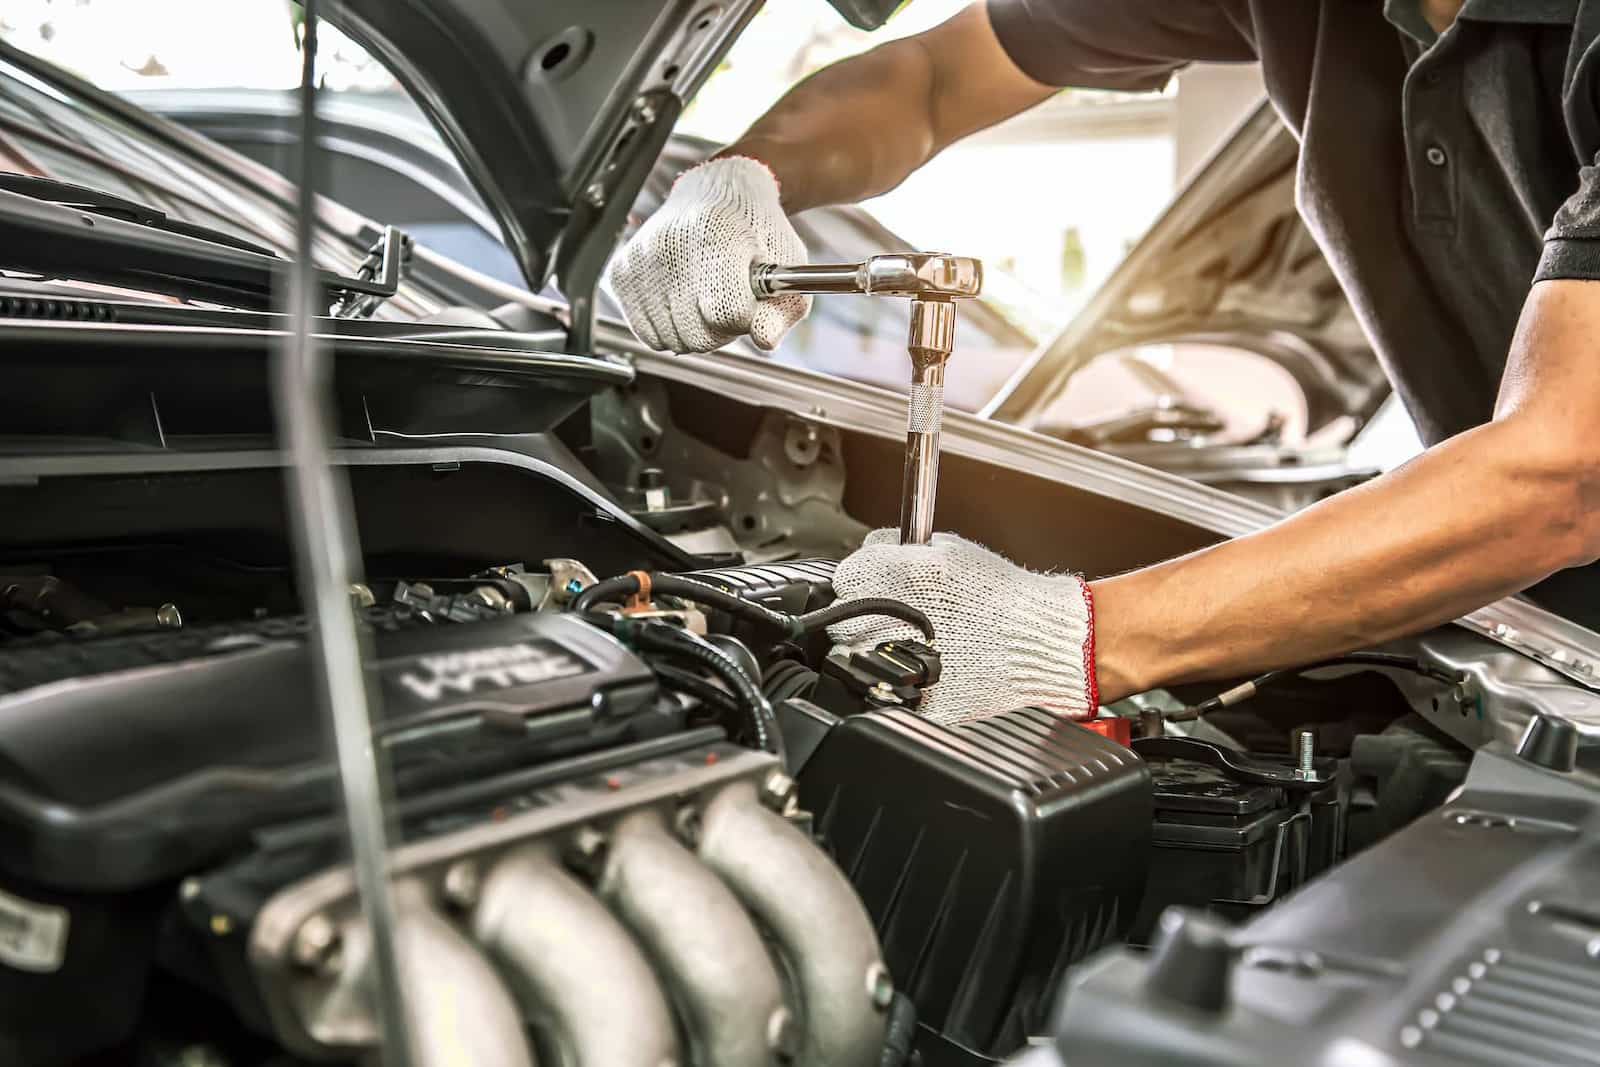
(744, 846)
(643, 810)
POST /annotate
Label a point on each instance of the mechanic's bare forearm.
(1479, 517)
(860, 127)
(851, 131)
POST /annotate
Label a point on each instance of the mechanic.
(1448, 171)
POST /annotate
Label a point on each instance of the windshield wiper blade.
(57, 230)
(99, 202)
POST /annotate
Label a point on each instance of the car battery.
(1228, 844)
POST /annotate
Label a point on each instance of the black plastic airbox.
(991, 855)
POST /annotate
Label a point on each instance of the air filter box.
(991, 856)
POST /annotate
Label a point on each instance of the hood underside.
(558, 108)
(1229, 262)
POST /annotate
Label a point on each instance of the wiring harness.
(793, 627)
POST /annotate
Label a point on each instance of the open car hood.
(559, 108)
(1228, 262)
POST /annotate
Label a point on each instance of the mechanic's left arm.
(1480, 516)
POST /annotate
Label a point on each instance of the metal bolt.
(644, 110)
(188, 889)
(880, 986)
(461, 885)
(169, 616)
(687, 823)
(492, 598)
(587, 851)
(1304, 746)
(595, 195)
(362, 596)
(315, 942)
(783, 1036)
(777, 791)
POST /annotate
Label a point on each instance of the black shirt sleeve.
(1116, 44)
(1572, 243)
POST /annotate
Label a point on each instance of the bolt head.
(461, 885)
(884, 693)
(644, 110)
(595, 195)
(315, 942)
(188, 889)
(783, 1036)
(777, 791)
(880, 986)
(586, 852)
(492, 598)
(687, 823)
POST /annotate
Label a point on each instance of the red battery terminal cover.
(1111, 727)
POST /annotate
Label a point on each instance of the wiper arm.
(98, 202)
(116, 242)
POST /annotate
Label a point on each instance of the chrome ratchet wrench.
(933, 281)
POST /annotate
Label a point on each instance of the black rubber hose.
(787, 679)
(853, 609)
(792, 626)
(669, 640)
(702, 689)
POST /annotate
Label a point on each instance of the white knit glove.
(684, 279)
(1007, 637)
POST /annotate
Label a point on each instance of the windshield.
(46, 132)
(54, 126)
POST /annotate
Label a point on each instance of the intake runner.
(933, 281)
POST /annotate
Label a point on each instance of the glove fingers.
(643, 327)
(638, 305)
(774, 318)
(654, 327)
(726, 303)
(778, 242)
(690, 328)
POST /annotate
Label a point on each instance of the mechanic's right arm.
(860, 127)
(851, 131)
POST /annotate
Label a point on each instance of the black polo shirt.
(1441, 174)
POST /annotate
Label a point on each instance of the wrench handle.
(768, 280)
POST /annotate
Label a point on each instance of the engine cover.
(138, 759)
